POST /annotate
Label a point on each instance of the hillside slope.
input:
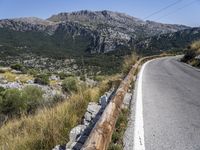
(77, 33)
(171, 41)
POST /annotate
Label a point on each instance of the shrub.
(70, 84)
(2, 90)
(12, 102)
(33, 97)
(18, 67)
(195, 45)
(63, 75)
(190, 54)
(83, 78)
(32, 72)
(42, 79)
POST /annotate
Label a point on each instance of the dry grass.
(11, 77)
(128, 62)
(196, 46)
(50, 126)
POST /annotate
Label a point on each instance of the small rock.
(76, 132)
(59, 147)
(16, 72)
(54, 77)
(93, 108)
(30, 81)
(92, 111)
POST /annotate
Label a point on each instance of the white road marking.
(139, 143)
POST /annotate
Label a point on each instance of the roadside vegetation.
(192, 55)
(51, 126)
(33, 127)
(15, 102)
(120, 128)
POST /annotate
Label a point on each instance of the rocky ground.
(42, 64)
(11, 79)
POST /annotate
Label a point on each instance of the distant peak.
(30, 20)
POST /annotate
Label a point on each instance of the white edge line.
(139, 143)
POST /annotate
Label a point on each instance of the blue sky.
(185, 12)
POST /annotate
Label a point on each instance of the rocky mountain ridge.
(99, 31)
(176, 40)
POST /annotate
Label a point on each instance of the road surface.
(166, 115)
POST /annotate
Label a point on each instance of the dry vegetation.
(128, 62)
(51, 126)
(196, 46)
(11, 77)
(191, 55)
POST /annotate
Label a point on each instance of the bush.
(32, 72)
(33, 97)
(18, 67)
(83, 78)
(190, 54)
(70, 84)
(42, 79)
(12, 102)
(2, 90)
(63, 75)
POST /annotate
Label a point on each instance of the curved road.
(169, 107)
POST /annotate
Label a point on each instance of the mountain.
(170, 41)
(79, 33)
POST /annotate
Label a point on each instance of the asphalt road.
(171, 105)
